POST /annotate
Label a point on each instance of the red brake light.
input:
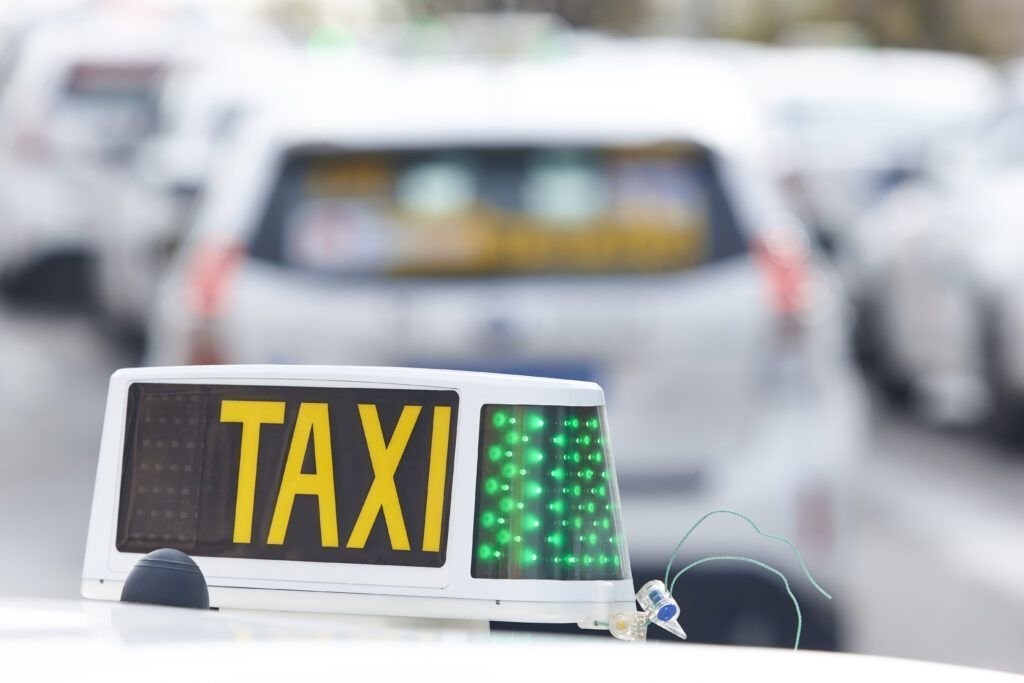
(209, 277)
(783, 256)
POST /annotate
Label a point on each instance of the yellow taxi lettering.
(312, 422)
(383, 496)
(251, 414)
(435, 479)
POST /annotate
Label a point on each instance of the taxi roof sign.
(390, 491)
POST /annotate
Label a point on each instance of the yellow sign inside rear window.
(288, 473)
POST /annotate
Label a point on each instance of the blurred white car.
(604, 215)
(937, 267)
(79, 97)
(113, 642)
(848, 123)
(199, 106)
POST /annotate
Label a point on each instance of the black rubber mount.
(166, 577)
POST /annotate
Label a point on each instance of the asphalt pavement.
(937, 536)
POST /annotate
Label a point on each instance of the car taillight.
(31, 145)
(208, 284)
(783, 257)
(209, 278)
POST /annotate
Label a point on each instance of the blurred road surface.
(938, 562)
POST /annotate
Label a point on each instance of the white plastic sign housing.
(359, 490)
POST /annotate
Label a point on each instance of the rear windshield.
(108, 104)
(499, 212)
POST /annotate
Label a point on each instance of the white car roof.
(604, 91)
(57, 640)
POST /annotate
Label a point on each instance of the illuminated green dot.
(577, 490)
(487, 519)
(583, 440)
(517, 539)
(588, 560)
(556, 539)
(599, 440)
(522, 471)
(519, 505)
(525, 439)
(534, 422)
(497, 554)
(606, 523)
(509, 470)
(512, 437)
(565, 522)
(499, 419)
(591, 508)
(494, 453)
(491, 486)
(531, 522)
(576, 457)
(582, 539)
(505, 487)
(501, 520)
(559, 439)
(577, 522)
(592, 539)
(533, 489)
(565, 490)
(485, 552)
(529, 556)
(572, 423)
(596, 456)
(512, 420)
(534, 456)
(508, 454)
(503, 536)
(615, 561)
(557, 506)
(601, 490)
(558, 473)
(602, 559)
(588, 474)
(570, 559)
(506, 505)
(592, 423)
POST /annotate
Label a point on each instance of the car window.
(106, 104)
(499, 211)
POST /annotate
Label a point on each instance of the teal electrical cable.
(783, 539)
(740, 558)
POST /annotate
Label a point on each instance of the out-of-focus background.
(786, 236)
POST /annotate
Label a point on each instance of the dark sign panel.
(289, 473)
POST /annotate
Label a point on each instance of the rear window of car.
(478, 211)
(109, 103)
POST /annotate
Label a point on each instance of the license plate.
(310, 474)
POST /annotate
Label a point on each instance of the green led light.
(543, 496)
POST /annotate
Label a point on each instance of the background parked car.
(554, 218)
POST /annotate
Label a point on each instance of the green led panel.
(546, 501)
